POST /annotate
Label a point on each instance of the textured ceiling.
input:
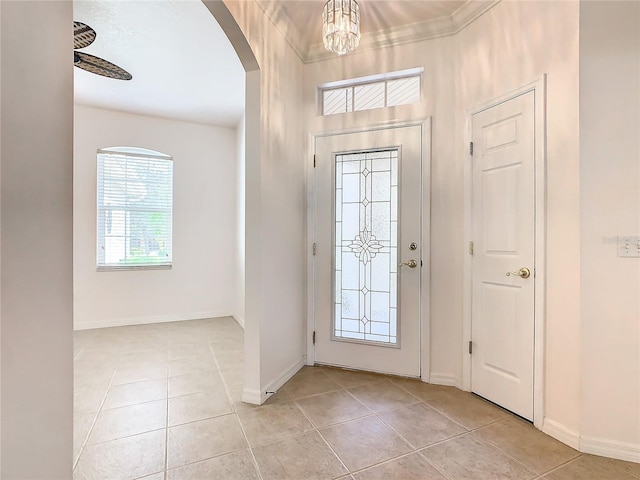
(182, 63)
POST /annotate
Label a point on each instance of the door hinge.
(313, 337)
(470, 248)
(470, 149)
(314, 249)
(470, 347)
(314, 160)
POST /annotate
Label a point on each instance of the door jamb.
(425, 283)
(539, 88)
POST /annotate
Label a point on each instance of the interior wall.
(202, 281)
(610, 206)
(275, 206)
(240, 223)
(36, 255)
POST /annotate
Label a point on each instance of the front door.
(503, 226)
(367, 267)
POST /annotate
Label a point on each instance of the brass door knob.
(524, 272)
(410, 264)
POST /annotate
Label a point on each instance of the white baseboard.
(258, 398)
(122, 322)
(562, 433)
(610, 448)
(444, 379)
(239, 319)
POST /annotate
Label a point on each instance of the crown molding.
(403, 34)
(416, 32)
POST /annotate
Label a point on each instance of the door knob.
(524, 272)
(410, 264)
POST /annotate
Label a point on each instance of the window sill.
(117, 268)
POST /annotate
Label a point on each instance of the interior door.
(502, 328)
(368, 206)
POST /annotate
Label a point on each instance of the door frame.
(425, 230)
(538, 86)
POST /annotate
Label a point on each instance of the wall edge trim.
(604, 447)
(239, 319)
(258, 398)
(562, 433)
(445, 379)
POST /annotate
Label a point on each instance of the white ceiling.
(182, 63)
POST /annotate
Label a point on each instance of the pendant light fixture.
(341, 26)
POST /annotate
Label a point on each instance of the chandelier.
(341, 26)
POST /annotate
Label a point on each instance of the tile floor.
(162, 402)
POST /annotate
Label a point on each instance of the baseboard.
(122, 322)
(239, 319)
(444, 379)
(610, 448)
(258, 398)
(562, 433)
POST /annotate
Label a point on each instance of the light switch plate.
(629, 246)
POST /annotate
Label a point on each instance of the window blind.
(135, 208)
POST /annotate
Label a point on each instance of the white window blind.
(135, 208)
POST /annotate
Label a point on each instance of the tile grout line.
(235, 413)
(166, 432)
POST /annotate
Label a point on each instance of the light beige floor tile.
(539, 452)
(155, 476)
(588, 467)
(629, 468)
(155, 355)
(193, 364)
(82, 423)
(88, 399)
(383, 396)
(131, 420)
(194, 383)
(140, 372)
(303, 457)
(188, 349)
(198, 406)
(233, 375)
(201, 440)
(421, 425)
(331, 408)
(469, 458)
(233, 466)
(134, 393)
(92, 379)
(273, 422)
(364, 442)
(467, 409)
(411, 467)
(424, 391)
(230, 358)
(235, 392)
(352, 378)
(310, 381)
(127, 458)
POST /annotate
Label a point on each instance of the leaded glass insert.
(366, 246)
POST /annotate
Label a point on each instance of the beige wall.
(201, 283)
(610, 206)
(36, 256)
(275, 207)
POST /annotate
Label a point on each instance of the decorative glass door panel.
(368, 200)
(366, 245)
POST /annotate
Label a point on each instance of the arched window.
(135, 208)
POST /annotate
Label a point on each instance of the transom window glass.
(135, 208)
(366, 246)
(376, 91)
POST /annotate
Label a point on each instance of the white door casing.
(368, 353)
(503, 234)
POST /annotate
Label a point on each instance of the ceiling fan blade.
(83, 35)
(99, 66)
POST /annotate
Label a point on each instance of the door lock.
(410, 264)
(413, 246)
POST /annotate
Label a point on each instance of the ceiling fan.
(83, 36)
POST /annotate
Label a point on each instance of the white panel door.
(502, 328)
(368, 205)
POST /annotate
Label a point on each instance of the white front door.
(503, 232)
(368, 206)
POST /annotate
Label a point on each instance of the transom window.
(376, 91)
(135, 208)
